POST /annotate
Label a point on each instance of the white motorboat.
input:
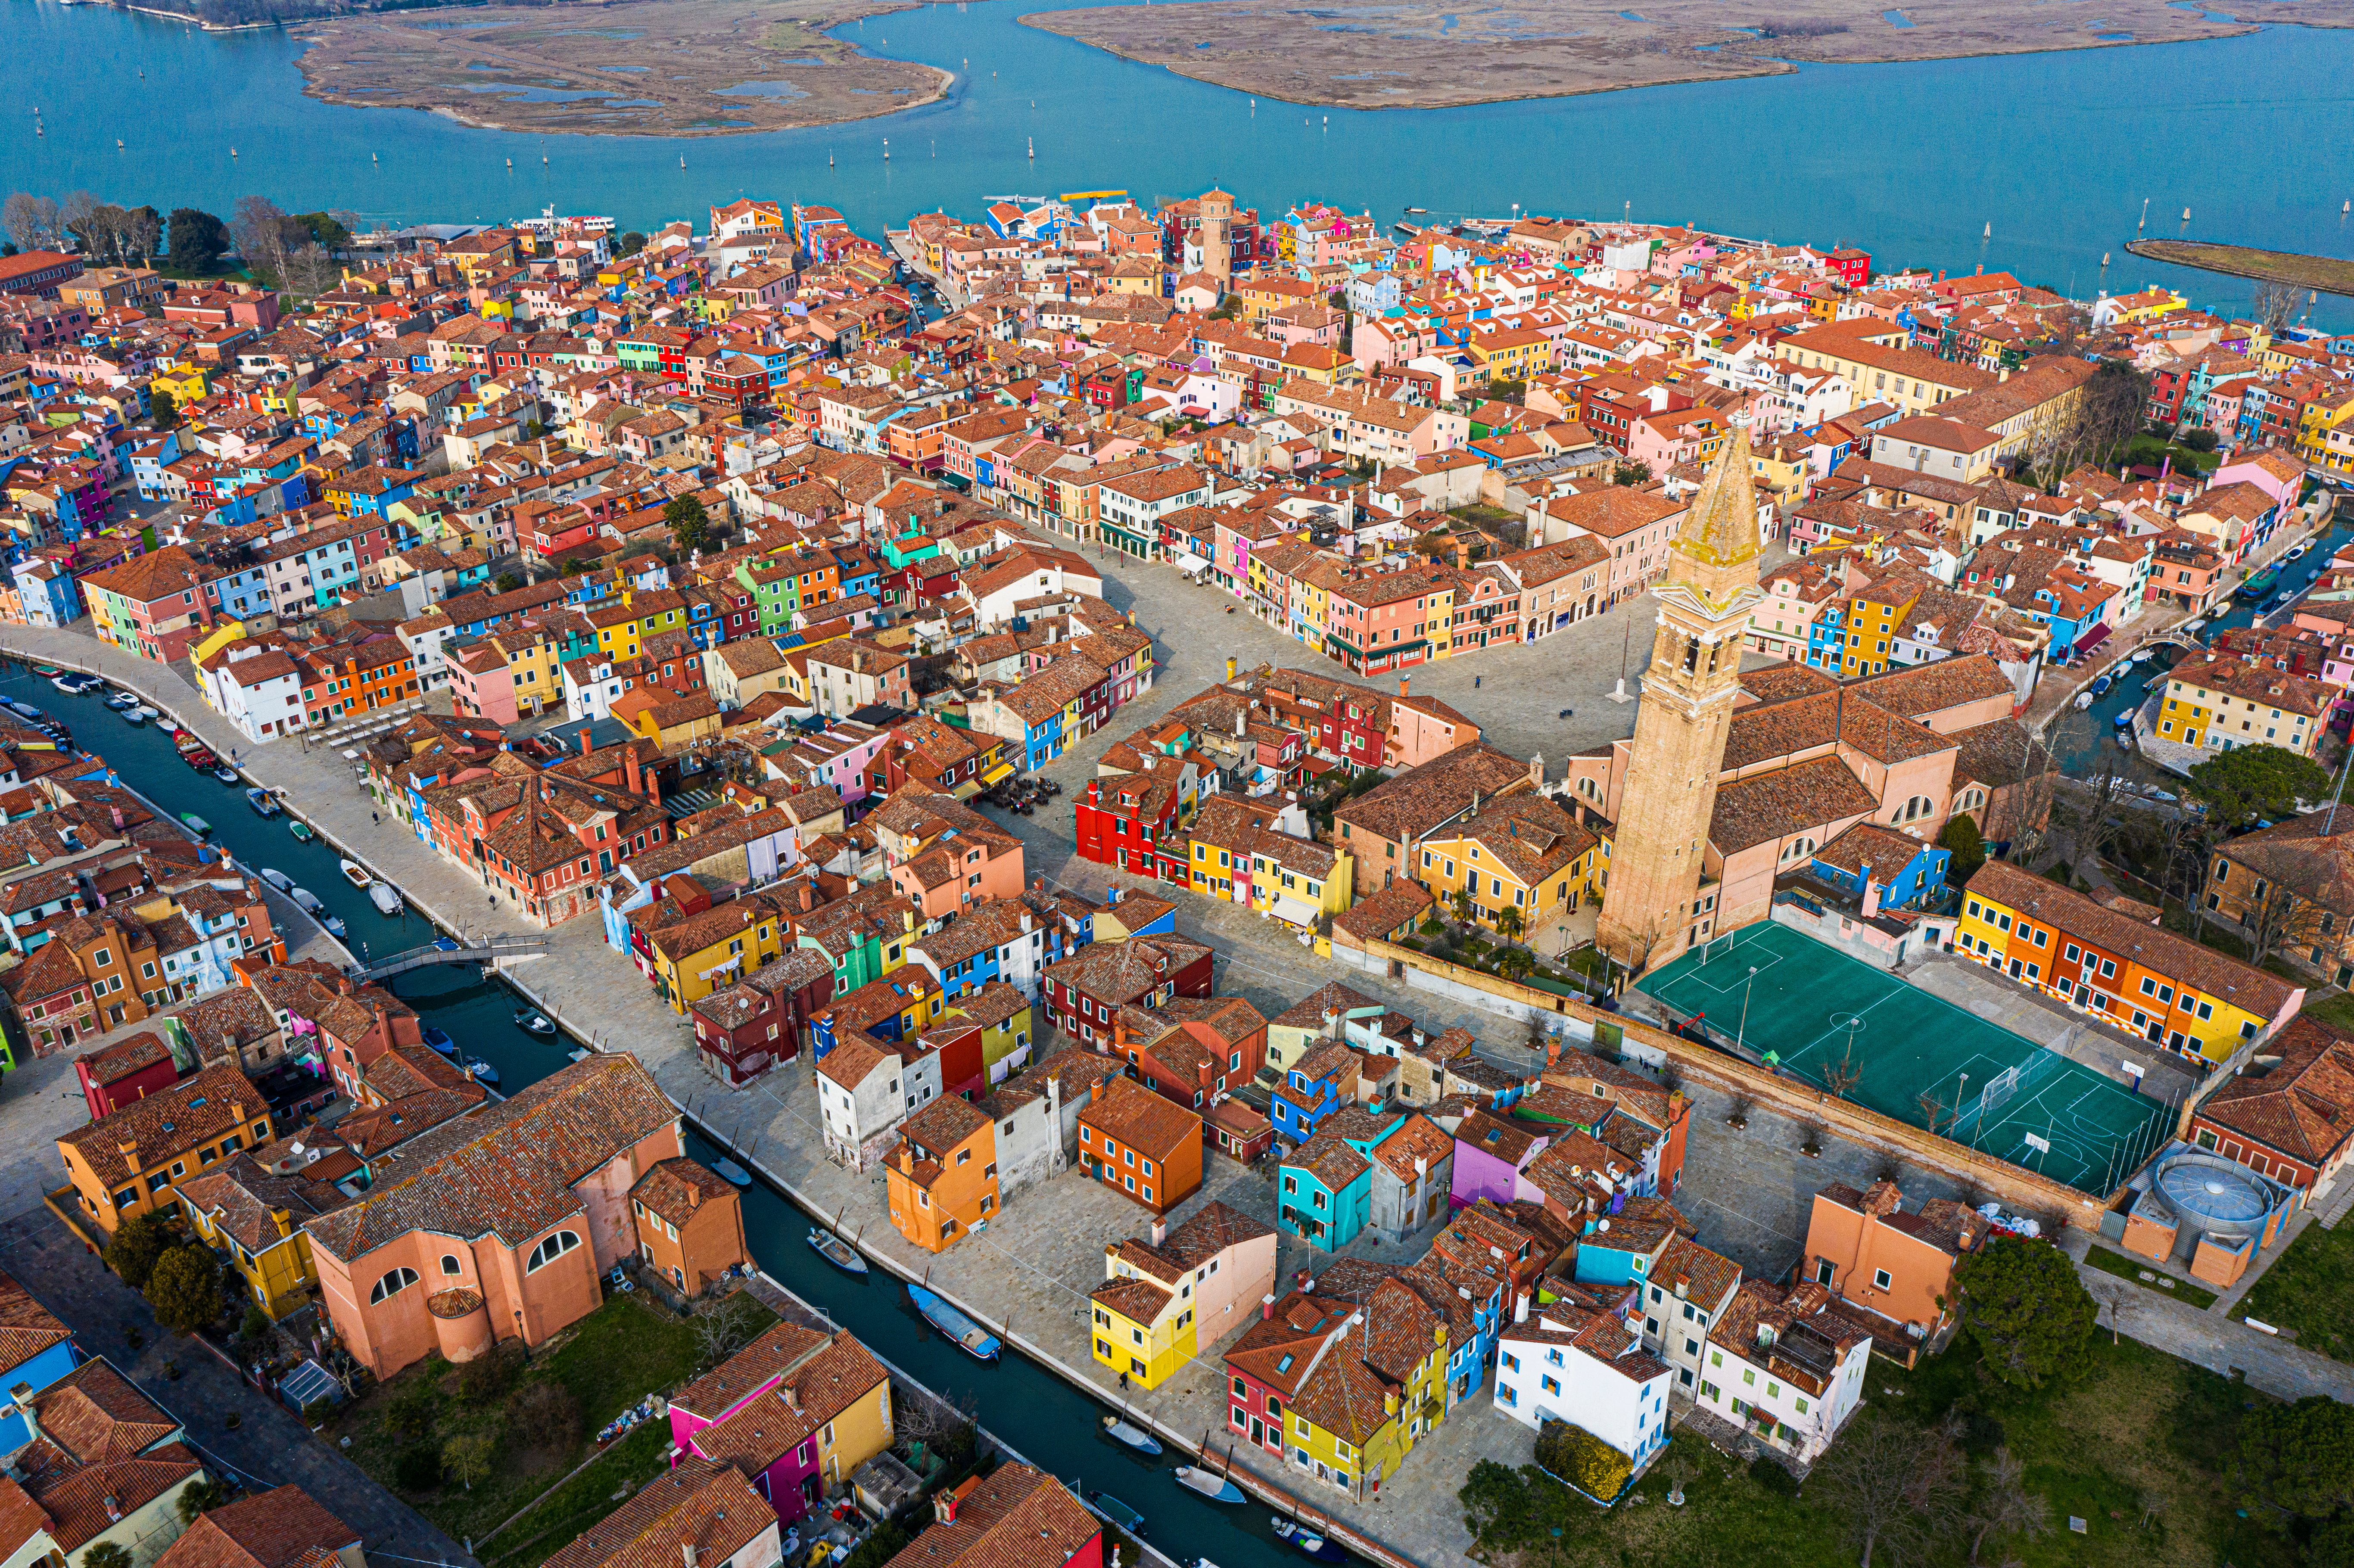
(386, 900)
(354, 872)
(276, 878)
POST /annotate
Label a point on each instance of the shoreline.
(697, 132)
(1183, 1443)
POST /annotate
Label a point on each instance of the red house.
(1129, 820)
(1018, 1515)
(2294, 1123)
(762, 1020)
(1085, 992)
(130, 1069)
(1850, 267)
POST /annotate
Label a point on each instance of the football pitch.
(1818, 1014)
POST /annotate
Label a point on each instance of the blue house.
(240, 591)
(1325, 1194)
(1311, 1091)
(38, 1351)
(51, 594)
(1906, 873)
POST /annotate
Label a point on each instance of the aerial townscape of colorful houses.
(719, 595)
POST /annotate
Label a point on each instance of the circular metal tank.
(2213, 1196)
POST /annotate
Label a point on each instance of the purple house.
(1489, 1155)
(796, 1411)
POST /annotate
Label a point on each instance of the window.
(1880, 1279)
(450, 1264)
(549, 1250)
(392, 1284)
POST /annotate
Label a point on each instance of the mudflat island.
(641, 68)
(1375, 56)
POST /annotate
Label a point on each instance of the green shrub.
(140, 1242)
(256, 1323)
(888, 1541)
(409, 1411)
(1767, 1472)
(1584, 1460)
(490, 1375)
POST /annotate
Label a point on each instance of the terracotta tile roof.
(2302, 1106)
(280, 1528)
(1138, 1301)
(810, 1392)
(243, 1198)
(675, 1188)
(1138, 1119)
(1018, 1518)
(78, 1498)
(509, 1171)
(782, 1347)
(1417, 800)
(169, 1123)
(1925, 689)
(1767, 806)
(26, 1328)
(698, 1503)
(1706, 1277)
(20, 1517)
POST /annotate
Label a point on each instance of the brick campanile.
(1681, 725)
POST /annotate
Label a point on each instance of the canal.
(1047, 1420)
(2077, 739)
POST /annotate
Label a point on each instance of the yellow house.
(254, 1216)
(126, 1163)
(712, 949)
(1519, 860)
(795, 1409)
(2326, 417)
(213, 642)
(1143, 1322)
(185, 384)
(2218, 705)
(1873, 616)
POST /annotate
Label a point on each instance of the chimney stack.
(687, 1551)
(635, 774)
(584, 737)
(1405, 685)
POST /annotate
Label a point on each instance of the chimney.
(584, 739)
(791, 1396)
(114, 1511)
(687, 1550)
(1520, 1307)
(129, 1149)
(1159, 1229)
(635, 774)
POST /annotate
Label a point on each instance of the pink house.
(2277, 475)
(794, 1411)
(502, 1221)
(943, 854)
(1489, 1155)
(481, 684)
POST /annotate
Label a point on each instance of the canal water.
(1044, 1417)
(2037, 144)
(2078, 743)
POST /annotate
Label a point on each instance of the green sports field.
(1812, 1011)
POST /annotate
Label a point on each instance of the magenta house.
(1489, 1155)
(796, 1411)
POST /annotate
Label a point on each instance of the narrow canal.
(2078, 739)
(1048, 1421)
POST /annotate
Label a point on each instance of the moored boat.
(307, 901)
(836, 1251)
(227, 774)
(300, 829)
(1215, 1487)
(533, 1022)
(969, 1336)
(1311, 1543)
(482, 1070)
(439, 1039)
(334, 926)
(386, 900)
(733, 1172)
(1119, 1512)
(1121, 1430)
(276, 878)
(196, 824)
(263, 806)
(354, 872)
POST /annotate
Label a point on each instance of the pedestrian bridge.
(448, 951)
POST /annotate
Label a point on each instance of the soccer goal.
(1715, 948)
(1996, 1095)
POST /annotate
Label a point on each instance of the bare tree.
(2006, 1508)
(1890, 1485)
(31, 220)
(142, 227)
(930, 1420)
(311, 272)
(1841, 1076)
(2277, 920)
(74, 213)
(259, 228)
(2275, 303)
(719, 1332)
(2120, 1297)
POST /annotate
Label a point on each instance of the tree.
(2279, 918)
(1508, 922)
(2030, 1314)
(136, 234)
(2249, 784)
(1840, 1077)
(199, 1497)
(470, 1455)
(74, 214)
(259, 227)
(139, 1242)
(2300, 1457)
(163, 411)
(199, 241)
(690, 525)
(106, 1554)
(327, 229)
(2274, 304)
(1631, 473)
(184, 1290)
(31, 220)
(1460, 903)
(1889, 1483)
(2118, 1296)
(632, 243)
(2006, 1508)
(311, 272)
(2110, 413)
(1968, 849)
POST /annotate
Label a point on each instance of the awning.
(2092, 639)
(1190, 562)
(1297, 911)
(1002, 770)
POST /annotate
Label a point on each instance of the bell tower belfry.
(1686, 711)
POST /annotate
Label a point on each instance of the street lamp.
(1750, 985)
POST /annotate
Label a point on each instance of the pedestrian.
(1475, 682)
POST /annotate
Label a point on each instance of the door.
(1259, 1431)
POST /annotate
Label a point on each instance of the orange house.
(1142, 1143)
(497, 1224)
(1894, 1265)
(347, 680)
(690, 1224)
(943, 1175)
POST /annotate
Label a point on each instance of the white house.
(258, 690)
(1787, 1368)
(1690, 1290)
(1587, 1367)
(863, 1093)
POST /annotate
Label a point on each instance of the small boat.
(2124, 720)
(168, 726)
(733, 1172)
(24, 710)
(969, 1337)
(263, 806)
(836, 1251)
(307, 901)
(439, 1038)
(386, 900)
(1311, 1542)
(1119, 1512)
(300, 829)
(277, 879)
(532, 1022)
(2141, 656)
(1215, 1487)
(50, 671)
(333, 925)
(69, 684)
(196, 824)
(2101, 686)
(122, 702)
(137, 715)
(1128, 1432)
(2125, 740)
(354, 872)
(227, 774)
(482, 1070)
(200, 759)
(446, 944)
(2084, 701)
